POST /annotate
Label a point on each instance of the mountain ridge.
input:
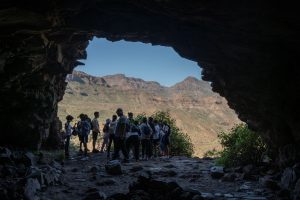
(198, 111)
(123, 76)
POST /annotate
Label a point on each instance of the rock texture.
(247, 49)
(160, 178)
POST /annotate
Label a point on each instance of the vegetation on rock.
(241, 146)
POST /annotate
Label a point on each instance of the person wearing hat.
(120, 133)
(68, 130)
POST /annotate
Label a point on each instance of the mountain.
(198, 111)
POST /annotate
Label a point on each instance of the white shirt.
(156, 132)
(68, 128)
(95, 125)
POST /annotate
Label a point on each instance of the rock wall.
(247, 49)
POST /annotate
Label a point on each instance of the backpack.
(112, 127)
(146, 130)
(85, 127)
(121, 128)
(75, 131)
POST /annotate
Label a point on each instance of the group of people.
(125, 133)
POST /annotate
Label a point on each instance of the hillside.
(198, 111)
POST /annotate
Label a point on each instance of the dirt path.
(82, 175)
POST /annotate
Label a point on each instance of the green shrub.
(211, 154)
(241, 146)
(181, 143)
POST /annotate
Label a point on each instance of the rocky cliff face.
(248, 50)
(198, 111)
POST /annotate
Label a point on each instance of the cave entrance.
(142, 78)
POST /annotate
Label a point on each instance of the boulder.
(5, 156)
(287, 155)
(229, 177)
(136, 168)
(95, 169)
(56, 165)
(52, 176)
(186, 195)
(197, 197)
(95, 195)
(296, 169)
(3, 194)
(217, 172)
(207, 196)
(139, 195)
(113, 167)
(296, 192)
(9, 171)
(107, 182)
(31, 188)
(165, 173)
(28, 159)
(288, 178)
(34, 172)
(268, 182)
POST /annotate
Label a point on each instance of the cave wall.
(247, 49)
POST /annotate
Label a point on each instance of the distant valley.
(198, 111)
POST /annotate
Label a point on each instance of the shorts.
(95, 135)
(85, 139)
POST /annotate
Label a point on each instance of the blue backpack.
(147, 130)
(85, 127)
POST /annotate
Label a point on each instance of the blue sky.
(136, 59)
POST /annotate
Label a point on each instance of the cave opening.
(241, 47)
(142, 78)
(248, 51)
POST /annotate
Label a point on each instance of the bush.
(211, 154)
(241, 146)
(181, 144)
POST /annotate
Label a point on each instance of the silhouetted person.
(84, 127)
(145, 136)
(111, 139)
(81, 116)
(68, 131)
(165, 140)
(152, 126)
(105, 135)
(95, 131)
(132, 137)
(156, 138)
(120, 132)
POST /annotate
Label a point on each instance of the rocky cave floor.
(92, 178)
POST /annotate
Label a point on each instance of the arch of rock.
(247, 49)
